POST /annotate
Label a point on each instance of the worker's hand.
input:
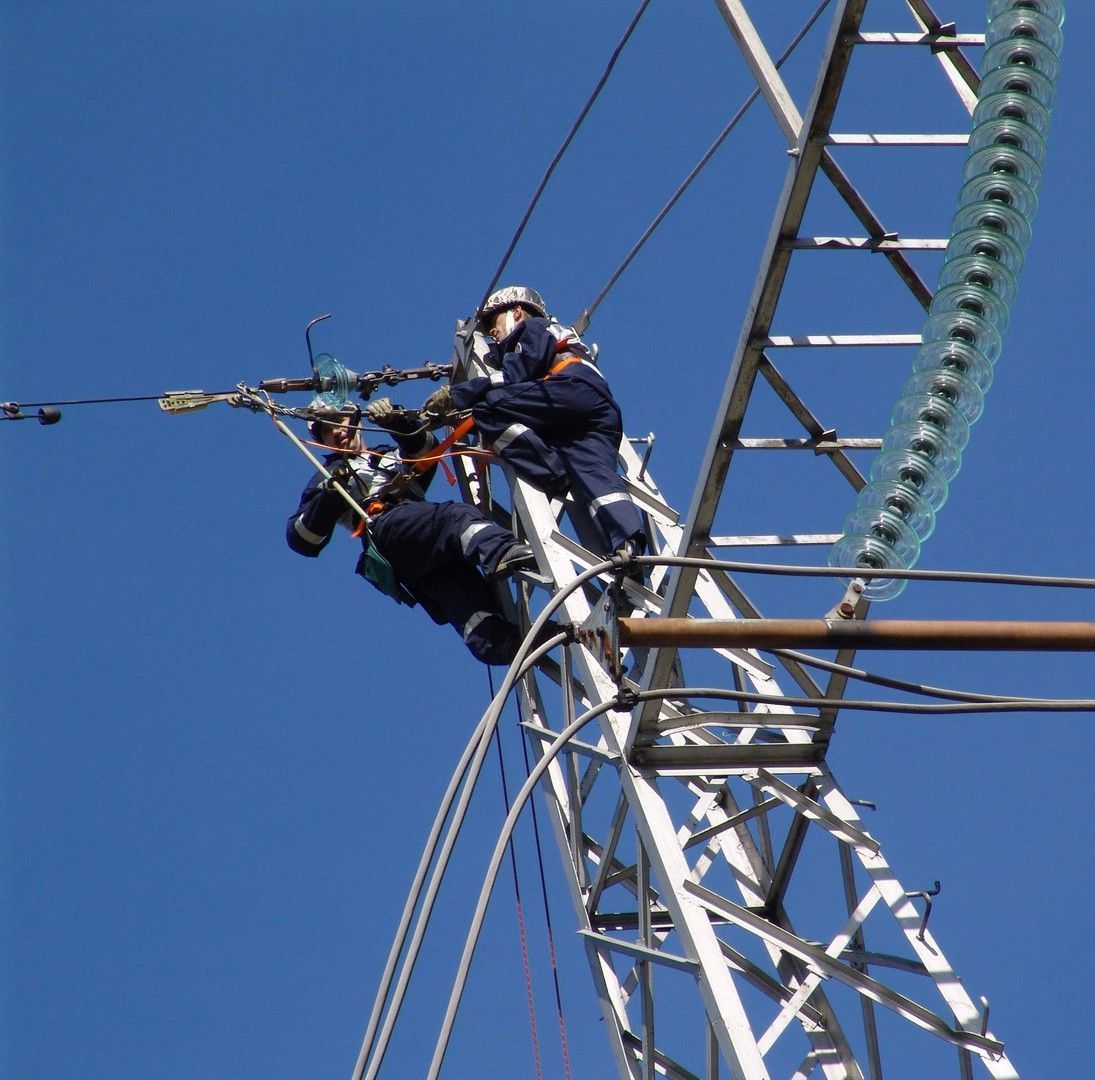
(391, 417)
(381, 412)
(439, 405)
(340, 473)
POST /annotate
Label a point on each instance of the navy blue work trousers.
(561, 432)
(435, 549)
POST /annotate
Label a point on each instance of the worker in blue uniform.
(440, 555)
(549, 413)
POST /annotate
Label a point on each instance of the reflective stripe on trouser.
(490, 637)
(422, 541)
(573, 434)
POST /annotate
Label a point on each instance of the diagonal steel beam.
(801, 173)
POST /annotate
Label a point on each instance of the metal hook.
(308, 339)
(926, 896)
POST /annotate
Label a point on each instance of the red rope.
(520, 909)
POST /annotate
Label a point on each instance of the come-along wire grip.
(178, 402)
(925, 895)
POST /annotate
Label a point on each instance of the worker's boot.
(515, 559)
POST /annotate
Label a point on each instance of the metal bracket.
(849, 606)
(600, 634)
(926, 896)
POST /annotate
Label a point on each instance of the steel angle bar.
(703, 836)
(810, 983)
(606, 856)
(640, 952)
(768, 984)
(818, 959)
(775, 540)
(873, 224)
(687, 721)
(954, 62)
(763, 68)
(728, 758)
(817, 446)
(810, 423)
(868, 243)
(801, 172)
(575, 746)
(799, 675)
(662, 1064)
(935, 40)
(844, 341)
(896, 139)
(809, 808)
(919, 938)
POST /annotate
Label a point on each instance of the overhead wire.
(422, 895)
(490, 877)
(581, 324)
(388, 1001)
(562, 150)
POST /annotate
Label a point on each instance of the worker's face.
(343, 435)
(503, 322)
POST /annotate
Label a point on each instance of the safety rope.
(530, 997)
(547, 920)
(550, 930)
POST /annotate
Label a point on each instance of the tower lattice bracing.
(739, 917)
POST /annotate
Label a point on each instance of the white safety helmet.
(512, 296)
(324, 415)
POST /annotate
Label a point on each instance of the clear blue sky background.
(219, 760)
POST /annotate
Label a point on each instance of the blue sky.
(219, 760)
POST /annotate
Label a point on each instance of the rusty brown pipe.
(823, 634)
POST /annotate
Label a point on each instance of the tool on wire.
(46, 415)
(331, 382)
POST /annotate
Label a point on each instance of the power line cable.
(581, 324)
(562, 150)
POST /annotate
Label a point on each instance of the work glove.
(439, 405)
(391, 417)
(341, 473)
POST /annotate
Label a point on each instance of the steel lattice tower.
(714, 854)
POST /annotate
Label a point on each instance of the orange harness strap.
(420, 465)
(560, 364)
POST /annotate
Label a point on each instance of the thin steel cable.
(561, 151)
(101, 400)
(582, 322)
(885, 680)
(969, 576)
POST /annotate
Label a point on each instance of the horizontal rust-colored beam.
(825, 634)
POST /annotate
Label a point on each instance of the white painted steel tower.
(710, 852)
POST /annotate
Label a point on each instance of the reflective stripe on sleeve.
(305, 533)
(497, 378)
